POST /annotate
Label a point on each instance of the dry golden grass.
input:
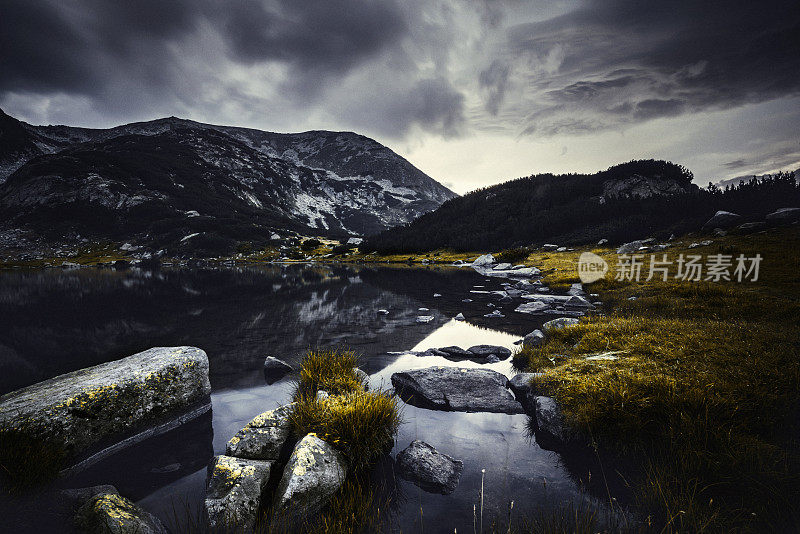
(705, 390)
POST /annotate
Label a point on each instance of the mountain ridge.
(317, 182)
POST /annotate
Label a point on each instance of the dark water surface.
(54, 321)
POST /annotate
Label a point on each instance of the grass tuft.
(28, 461)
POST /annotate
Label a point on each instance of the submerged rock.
(429, 469)
(95, 405)
(111, 513)
(424, 318)
(264, 437)
(275, 369)
(456, 389)
(312, 475)
(456, 352)
(233, 492)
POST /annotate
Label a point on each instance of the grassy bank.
(704, 393)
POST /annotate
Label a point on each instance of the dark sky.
(472, 91)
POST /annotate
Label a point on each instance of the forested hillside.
(624, 202)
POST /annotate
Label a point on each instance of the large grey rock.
(456, 389)
(557, 324)
(503, 267)
(233, 492)
(264, 437)
(578, 303)
(487, 350)
(784, 215)
(275, 369)
(314, 472)
(723, 219)
(429, 469)
(111, 513)
(84, 408)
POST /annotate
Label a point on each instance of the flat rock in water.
(314, 472)
(559, 323)
(456, 389)
(535, 307)
(424, 318)
(488, 350)
(233, 492)
(275, 369)
(429, 469)
(84, 408)
(264, 437)
(456, 352)
(111, 513)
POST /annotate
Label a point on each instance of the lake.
(56, 321)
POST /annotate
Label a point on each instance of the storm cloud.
(415, 73)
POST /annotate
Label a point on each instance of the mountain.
(625, 202)
(173, 183)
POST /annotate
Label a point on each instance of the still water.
(53, 321)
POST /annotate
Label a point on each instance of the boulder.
(233, 492)
(264, 437)
(576, 290)
(429, 469)
(275, 369)
(502, 266)
(96, 405)
(456, 389)
(723, 219)
(524, 390)
(784, 215)
(578, 303)
(111, 513)
(534, 339)
(559, 323)
(488, 350)
(481, 261)
(312, 475)
(750, 227)
(77, 497)
(634, 246)
(552, 432)
(459, 317)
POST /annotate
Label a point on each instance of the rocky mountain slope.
(171, 181)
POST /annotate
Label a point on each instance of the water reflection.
(54, 321)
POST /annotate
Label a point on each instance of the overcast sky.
(473, 92)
